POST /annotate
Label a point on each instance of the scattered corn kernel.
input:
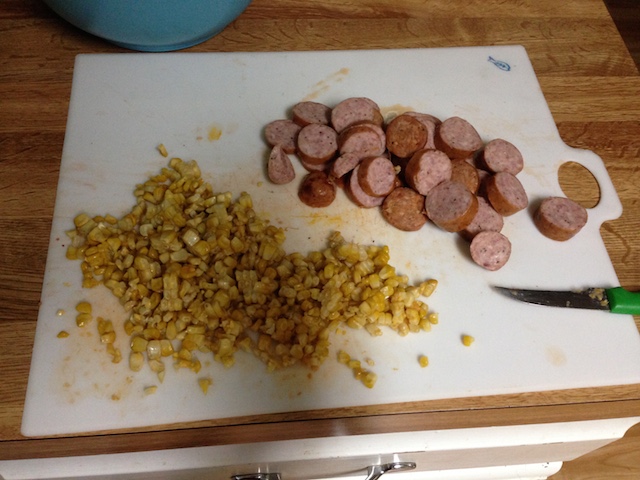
(205, 383)
(84, 307)
(163, 150)
(60, 312)
(150, 390)
(467, 340)
(82, 319)
(423, 360)
(62, 334)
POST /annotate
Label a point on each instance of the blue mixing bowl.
(150, 25)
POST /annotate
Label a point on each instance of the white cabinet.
(507, 452)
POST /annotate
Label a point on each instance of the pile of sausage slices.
(416, 168)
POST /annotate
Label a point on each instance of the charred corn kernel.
(62, 334)
(84, 307)
(82, 319)
(150, 390)
(423, 360)
(467, 340)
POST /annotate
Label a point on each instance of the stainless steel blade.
(589, 298)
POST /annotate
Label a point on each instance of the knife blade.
(614, 300)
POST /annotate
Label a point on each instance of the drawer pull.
(257, 476)
(374, 472)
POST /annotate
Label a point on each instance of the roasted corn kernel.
(197, 271)
(467, 340)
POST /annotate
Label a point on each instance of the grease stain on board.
(555, 356)
(325, 84)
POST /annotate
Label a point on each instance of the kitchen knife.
(615, 300)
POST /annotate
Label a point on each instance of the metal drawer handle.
(257, 476)
(374, 472)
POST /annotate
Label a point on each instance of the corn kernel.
(467, 340)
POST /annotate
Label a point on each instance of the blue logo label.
(500, 64)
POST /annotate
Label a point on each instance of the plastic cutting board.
(212, 107)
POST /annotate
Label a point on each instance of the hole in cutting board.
(579, 184)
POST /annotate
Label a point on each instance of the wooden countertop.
(588, 78)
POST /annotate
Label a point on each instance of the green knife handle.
(623, 301)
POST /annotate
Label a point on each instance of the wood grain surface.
(588, 77)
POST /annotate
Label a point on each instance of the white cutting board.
(124, 105)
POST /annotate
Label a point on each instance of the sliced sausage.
(505, 193)
(486, 220)
(353, 110)
(465, 173)
(502, 156)
(431, 124)
(358, 195)
(344, 164)
(305, 113)
(317, 143)
(313, 167)
(490, 250)
(457, 138)
(404, 209)
(317, 190)
(426, 169)
(424, 117)
(279, 167)
(560, 218)
(451, 206)
(377, 176)
(364, 139)
(405, 136)
(283, 133)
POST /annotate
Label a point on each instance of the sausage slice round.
(317, 143)
(305, 113)
(505, 193)
(486, 220)
(502, 156)
(404, 209)
(358, 195)
(560, 218)
(465, 173)
(317, 190)
(279, 167)
(364, 139)
(405, 136)
(426, 169)
(451, 206)
(431, 124)
(353, 110)
(457, 138)
(377, 176)
(283, 133)
(490, 250)
(344, 164)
